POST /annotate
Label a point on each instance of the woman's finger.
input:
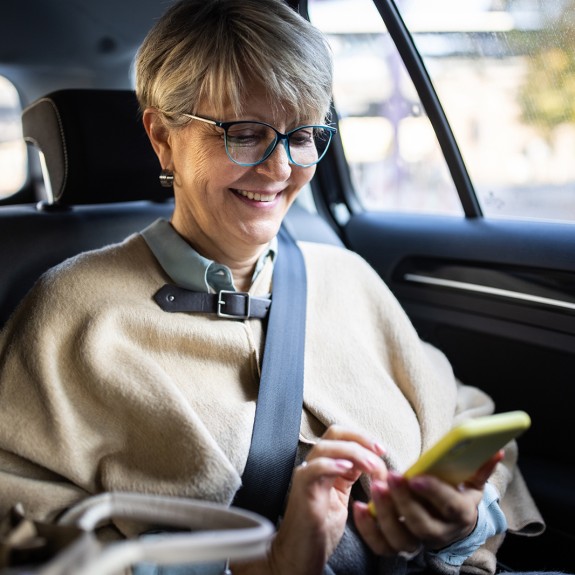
(363, 458)
(449, 503)
(436, 512)
(392, 522)
(369, 530)
(318, 467)
(481, 476)
(342, 433)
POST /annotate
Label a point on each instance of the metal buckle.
(222, 302)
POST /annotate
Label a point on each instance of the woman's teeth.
(257, 197)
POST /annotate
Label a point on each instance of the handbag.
(207, 532)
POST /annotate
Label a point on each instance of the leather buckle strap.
(225, 304)
(225, 297)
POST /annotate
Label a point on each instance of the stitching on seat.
(62, 138)
(64, 147)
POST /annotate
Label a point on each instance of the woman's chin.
(260, 233)
(262, 239)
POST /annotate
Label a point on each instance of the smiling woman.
(231, 214)
(144, 366)
(182, 79)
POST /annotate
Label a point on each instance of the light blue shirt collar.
(186, 267)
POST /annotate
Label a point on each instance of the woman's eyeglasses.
(250, 143)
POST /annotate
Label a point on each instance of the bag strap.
(203, 532)
(275, 435)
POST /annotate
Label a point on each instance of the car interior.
(91, 198)
(495, 293)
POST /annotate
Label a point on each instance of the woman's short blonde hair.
(214, 50)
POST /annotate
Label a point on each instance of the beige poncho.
(100, 390)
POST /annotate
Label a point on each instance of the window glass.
(395, 160)
(13, 159)
(505, 72)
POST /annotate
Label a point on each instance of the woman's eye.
(244, 140)
(246, 136)
(301, 138)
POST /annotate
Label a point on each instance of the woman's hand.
(423, 511)
(317, 508)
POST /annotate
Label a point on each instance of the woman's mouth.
(256, 196)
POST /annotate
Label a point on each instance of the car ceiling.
(46, 45)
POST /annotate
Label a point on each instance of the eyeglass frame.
(284, 138)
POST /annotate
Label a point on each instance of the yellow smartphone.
(464, 449)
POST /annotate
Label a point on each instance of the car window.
(394, 157)
(12, 148)
(503, 70)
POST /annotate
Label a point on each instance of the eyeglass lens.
(250, 143)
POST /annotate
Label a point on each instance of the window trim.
(416, 68)
(343, 194)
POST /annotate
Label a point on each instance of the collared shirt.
(186, 267)
(189, 270)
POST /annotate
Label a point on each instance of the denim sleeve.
(490, 521)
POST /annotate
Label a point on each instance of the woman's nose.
(277, 166)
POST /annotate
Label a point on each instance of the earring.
(166, 178)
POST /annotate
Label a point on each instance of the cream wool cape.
(101, 390)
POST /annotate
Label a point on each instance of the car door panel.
(498, 297)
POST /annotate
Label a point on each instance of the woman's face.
(224, 210)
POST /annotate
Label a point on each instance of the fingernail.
(395, 479)
(419, 483)
(344, 464)
(372, 462)
(379, 490)
(379, 449)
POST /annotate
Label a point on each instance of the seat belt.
(275, 434)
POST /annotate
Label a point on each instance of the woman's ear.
(159, 135)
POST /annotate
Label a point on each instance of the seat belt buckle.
(222, 302)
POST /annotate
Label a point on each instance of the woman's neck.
(243, 276)
(240, 259)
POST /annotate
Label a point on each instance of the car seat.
(101, 179)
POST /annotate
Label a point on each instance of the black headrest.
(95, 147)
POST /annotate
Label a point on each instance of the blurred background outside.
(505, 73)
(12, 148)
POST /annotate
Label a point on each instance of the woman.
(103, 390)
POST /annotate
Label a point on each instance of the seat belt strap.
(275, 434)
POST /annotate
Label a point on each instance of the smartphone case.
(462, 451)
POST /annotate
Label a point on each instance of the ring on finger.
(303, 464)
(411, 554)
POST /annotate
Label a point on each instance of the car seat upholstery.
(94, 147)
(101, 178)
